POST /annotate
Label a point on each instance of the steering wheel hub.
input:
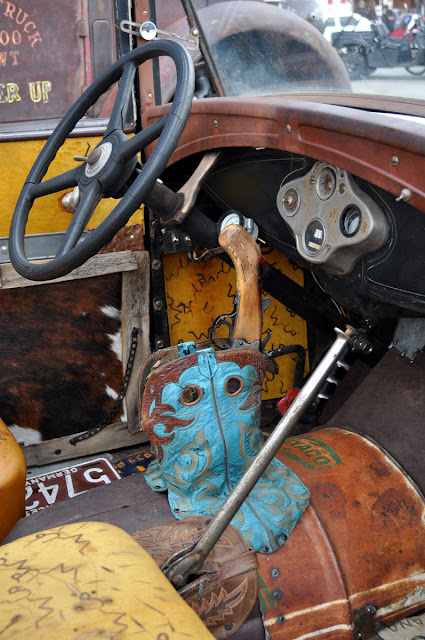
(98, 159)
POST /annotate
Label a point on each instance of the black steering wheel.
(109, 166)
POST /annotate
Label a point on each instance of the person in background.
(389, 18)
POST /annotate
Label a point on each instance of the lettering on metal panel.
(42, 68)
(310, 452)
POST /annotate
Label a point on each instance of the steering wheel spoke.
(65, 180)
(109, 167)
(141, 140)
(123, 99)
(89, 200)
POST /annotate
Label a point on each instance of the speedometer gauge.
(326, 183)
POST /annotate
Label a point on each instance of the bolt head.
(156, 264)
(158, 304)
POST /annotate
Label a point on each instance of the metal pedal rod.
(188, 561)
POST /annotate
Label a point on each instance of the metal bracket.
(38, 246)
(149, 31)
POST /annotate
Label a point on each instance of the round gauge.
(326, 183)
(314, 237)
(291, 202)
(350, 220)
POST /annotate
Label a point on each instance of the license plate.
(44, 490)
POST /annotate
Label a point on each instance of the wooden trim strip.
(99, 265)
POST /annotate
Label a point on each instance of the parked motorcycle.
(365, 51)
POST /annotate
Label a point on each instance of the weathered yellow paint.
(47, 215)
(12, 481)
(87, 580)
(198, 292)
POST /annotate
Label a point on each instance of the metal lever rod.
(178, 568)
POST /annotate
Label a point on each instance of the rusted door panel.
(42, 57)
(49, 53)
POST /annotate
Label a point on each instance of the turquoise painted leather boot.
(202, 413)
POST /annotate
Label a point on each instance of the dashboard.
(338, 189)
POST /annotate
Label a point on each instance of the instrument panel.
(333, 220)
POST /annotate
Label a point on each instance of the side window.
(49, 53)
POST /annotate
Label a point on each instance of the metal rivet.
(215, 123)
(156, 264)
(57, 452)
(150, 95)
(277, 594)
(371, 610)
(187, 239)
(394, 161)
(159, 344)
(288, 128)
(280, 619)
(4, 249)
(228, 626)
(145, 13)
(85, 314)
(275, 573)
(158, 304)
(195, 32)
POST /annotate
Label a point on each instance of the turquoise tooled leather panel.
(205, 430)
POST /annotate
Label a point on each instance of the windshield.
(304, 46)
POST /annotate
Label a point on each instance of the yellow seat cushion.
(12, 481)
(89, 580)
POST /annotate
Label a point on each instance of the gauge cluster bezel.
(333, 220)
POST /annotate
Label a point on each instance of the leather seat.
(89, 579)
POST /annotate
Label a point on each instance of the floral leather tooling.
(202, 413)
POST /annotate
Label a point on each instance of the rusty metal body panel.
(49, 53)
(39, 42)
(360, 142)
(356, 559)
